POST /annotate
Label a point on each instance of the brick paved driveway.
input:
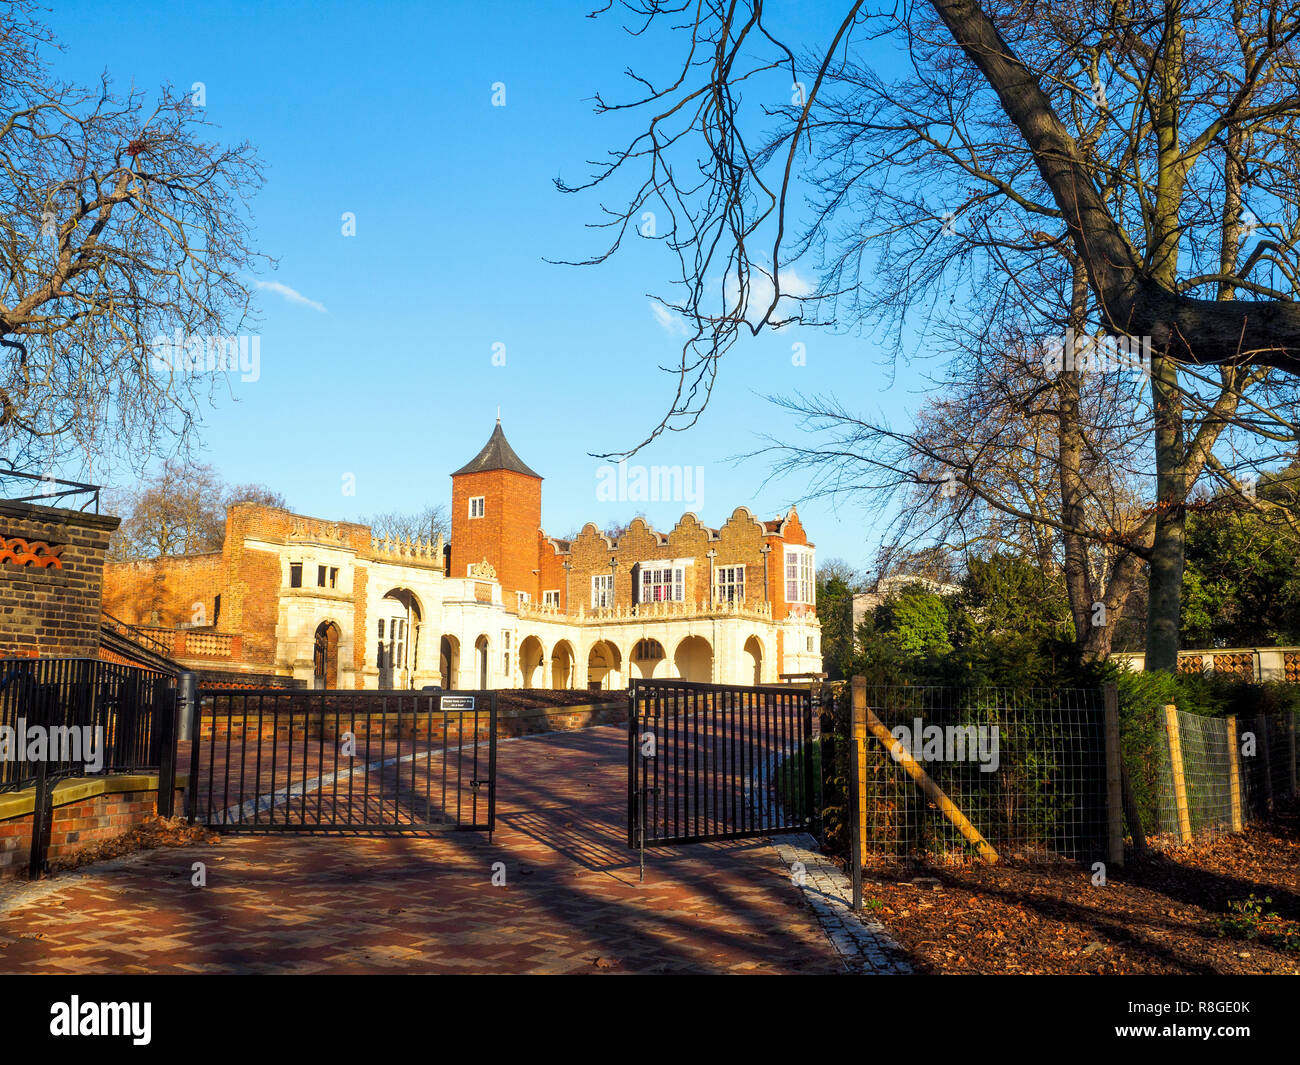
(571, 901)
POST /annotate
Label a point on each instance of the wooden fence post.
(858, 793)
(1176, 772)
(1114, 792)
(1234, 772)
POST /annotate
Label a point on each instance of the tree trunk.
(1165, 599)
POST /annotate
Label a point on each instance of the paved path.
(570, 901)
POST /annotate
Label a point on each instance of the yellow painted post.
(1176, 771)
(932, 791)
(858, 762)
(1114, 791)
(1234, 771)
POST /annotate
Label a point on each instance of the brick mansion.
(502, 605)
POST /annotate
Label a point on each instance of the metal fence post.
(1290, 739)
(809, 800)
(186, 697)
(43, 805)
(168, 714)
(196, 741)
(1265, 761)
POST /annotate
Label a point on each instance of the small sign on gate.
(456, 702)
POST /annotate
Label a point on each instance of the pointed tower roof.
(497, 454)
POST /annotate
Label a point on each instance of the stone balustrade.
(427, 551)
(758, 611)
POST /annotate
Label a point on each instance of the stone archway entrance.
(481, 652)
(449, 661)
(399, 639)
(604, 667)
(532, 663)
(325, 656)
(562, 666)
(754, 660)
(694, 659)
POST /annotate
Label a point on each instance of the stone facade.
(502, 606)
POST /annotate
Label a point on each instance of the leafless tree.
(178, 509)
(1123, 140)
(426, 524)
(121, 222)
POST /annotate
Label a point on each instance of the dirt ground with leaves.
(1181, 910)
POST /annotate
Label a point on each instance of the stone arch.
(693, 659)
(449, 661)
(604, 667)
(648, 655)
(532, 662)
(752, 661)
(325, 655)
(563, 665)
(398, 634)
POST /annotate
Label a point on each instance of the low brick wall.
(87, 810)
(306, 726)
(536, 719)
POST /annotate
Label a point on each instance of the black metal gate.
(365, 762)
(714, 762)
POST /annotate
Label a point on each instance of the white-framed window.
(295, 574)
(602, 590)
(551, 598)
(523, 597)
(662, 583)
(729, 584)
(800, 584)
(810, 644)
(477, 506)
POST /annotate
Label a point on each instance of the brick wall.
(76, 825)
(169, 592)
(52, 610)
(506, 535)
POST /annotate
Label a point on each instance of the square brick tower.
(496, 512)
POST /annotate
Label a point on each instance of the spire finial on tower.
(498, 414)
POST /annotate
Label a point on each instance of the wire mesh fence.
(1195, 779)
(1215, 774)
(1270, 768)
(1022, 771)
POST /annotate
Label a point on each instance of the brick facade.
(52, 609)
(414, 614)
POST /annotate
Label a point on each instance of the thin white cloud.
(291, 294)
(670, 322)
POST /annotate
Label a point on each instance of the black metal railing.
(135, 635)
(714, 762)
(53, 490)
(368, 762)
(80, 716)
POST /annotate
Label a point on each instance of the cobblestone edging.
(864, 946)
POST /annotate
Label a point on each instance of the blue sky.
(384, 368)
